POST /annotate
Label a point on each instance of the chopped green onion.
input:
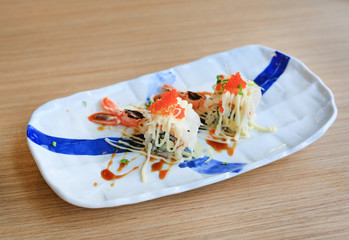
(54, 144)
(85, 103)
(218, 79)
(124, 161)
(148, 104)
(224, 163)
(240, 89)
(251, 83)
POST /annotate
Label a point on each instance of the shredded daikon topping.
(176, 134)
(232, 108)
(170, 130)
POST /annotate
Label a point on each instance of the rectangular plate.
(297, 103)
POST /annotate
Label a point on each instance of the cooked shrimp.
(196, 99)
(116, 115)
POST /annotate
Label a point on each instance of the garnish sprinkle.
(235, 84)
(54, 144)
(240, 89)
(85, 103)
(224, 163)
(148, 104)
(124, 161)
(218, 79)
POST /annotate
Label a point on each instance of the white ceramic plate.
(298, 104)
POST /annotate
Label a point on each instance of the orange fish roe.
(212, 131)
(221, 109)
(167, 104)
(233, 84)
(218, 87)
(179, 112)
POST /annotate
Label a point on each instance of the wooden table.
(52, 49)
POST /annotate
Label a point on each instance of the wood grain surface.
(52, 49)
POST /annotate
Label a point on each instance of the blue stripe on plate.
(91, 147)
(99, 146)
(212, 167)
(273, 71)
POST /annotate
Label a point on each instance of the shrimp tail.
(196, 99)
(168, 87)
(109, 106)
(115, 115)
(104, 118)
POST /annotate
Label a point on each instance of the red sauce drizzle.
(219, 147)
(108, 175)
(157, 167)
(100, 128)
(122, 165)
(205, 93)
(111, 160)
(163, 173)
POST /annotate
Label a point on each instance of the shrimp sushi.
(231, 110)
(172, 126)
(169, 125)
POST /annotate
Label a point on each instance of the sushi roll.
(172, 127)
(231, 110)
(169, 126)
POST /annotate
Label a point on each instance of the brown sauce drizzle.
(219, 147)
(156, 167)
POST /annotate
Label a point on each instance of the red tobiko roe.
(218, 87)
(234, 82)
(167, 104)
(221, 109)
